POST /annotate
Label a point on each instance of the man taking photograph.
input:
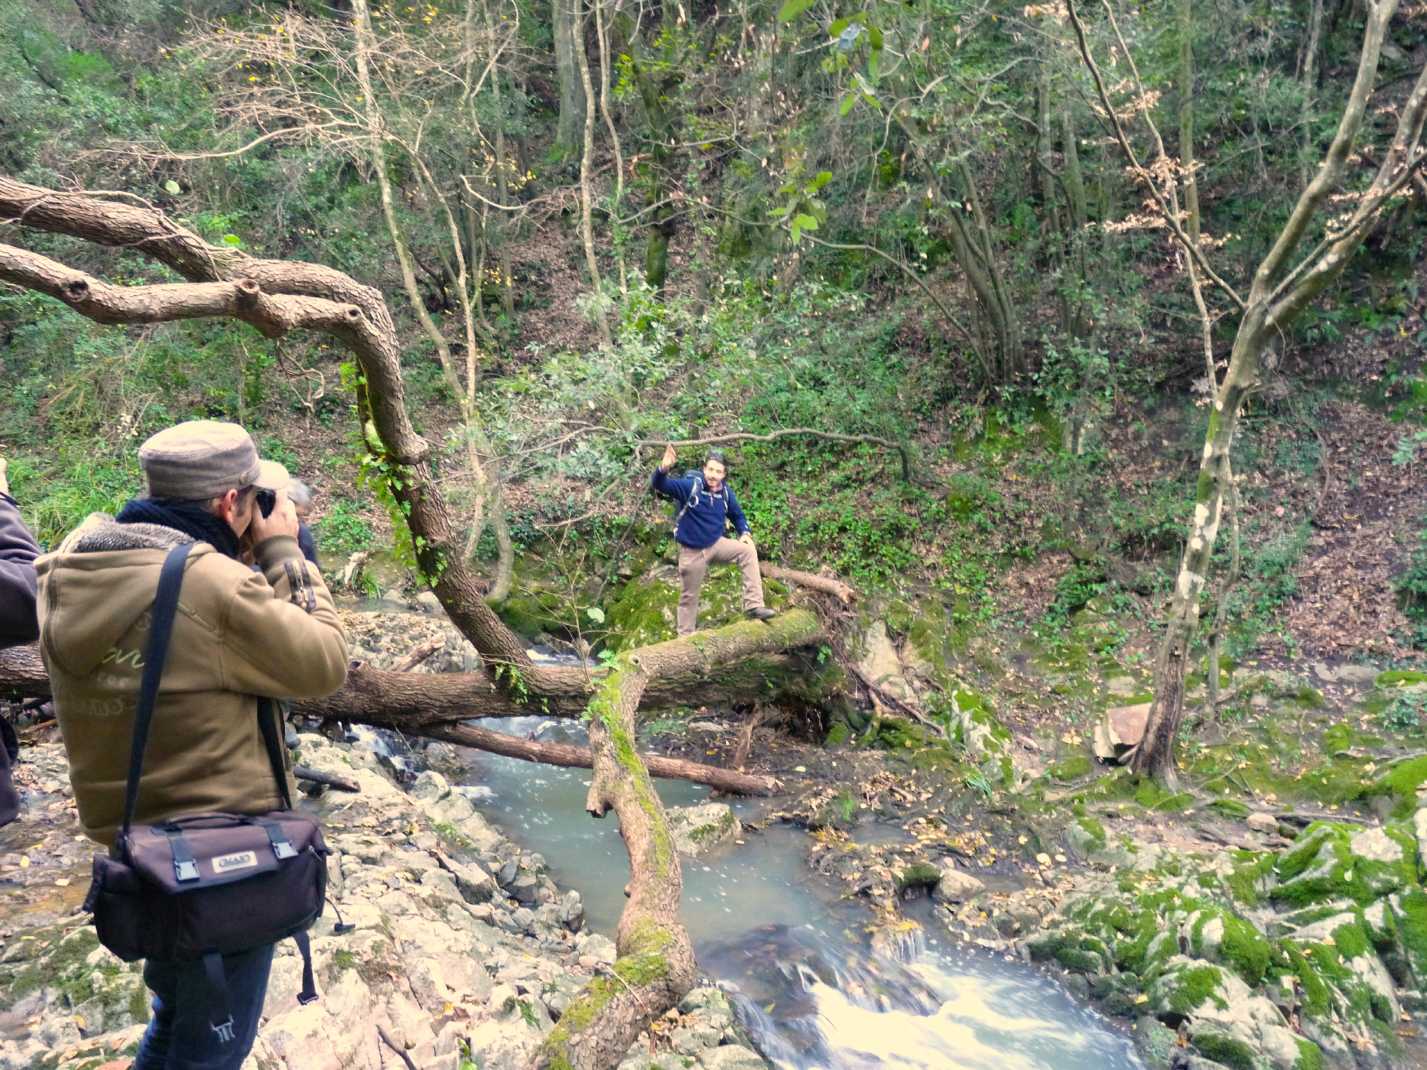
(239, 634)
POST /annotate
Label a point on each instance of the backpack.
(693, 499)
(200, 886)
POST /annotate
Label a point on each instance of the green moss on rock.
(1400, 678)
(918, 875)
(1310, 1056)
(1244, 949)
(1332, 862)
(1228, 1050)
(1071, 768)
(1188, 988)
(1400, 784)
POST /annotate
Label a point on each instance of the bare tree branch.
(773, 436)
(1169, 213)
(1330, 171)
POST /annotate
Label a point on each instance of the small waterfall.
(904, 942)
(387, 750)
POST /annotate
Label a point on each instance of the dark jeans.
(182, 1035)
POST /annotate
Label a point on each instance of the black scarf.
(191, 518)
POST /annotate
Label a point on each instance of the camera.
(267, 500)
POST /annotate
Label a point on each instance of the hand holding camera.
(280, 518)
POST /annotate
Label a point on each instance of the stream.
(802, 974)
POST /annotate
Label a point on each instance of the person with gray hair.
(300, 494)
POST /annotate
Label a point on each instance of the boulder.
(954, 886)
(1121, 728)
(1262, 822)
(699, 830)
(881, 665)
(1359, 676)
(732, 1057)
(428, 603)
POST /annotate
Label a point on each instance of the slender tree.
(1281, 288)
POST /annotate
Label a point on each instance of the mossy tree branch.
(655, 967)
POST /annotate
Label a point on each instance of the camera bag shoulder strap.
(155, 654)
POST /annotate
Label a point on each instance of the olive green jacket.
(238, 634)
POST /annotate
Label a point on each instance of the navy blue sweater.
(704, 522)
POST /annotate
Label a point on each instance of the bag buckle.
(185, 869)
(282, 849)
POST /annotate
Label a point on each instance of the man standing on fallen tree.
(707, 505)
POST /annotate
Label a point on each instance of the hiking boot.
(761, 613)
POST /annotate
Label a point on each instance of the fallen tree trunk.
(434, 705)
(302, 772)
(655, 968)
(811, 580)
(576, 757)
(411, 701)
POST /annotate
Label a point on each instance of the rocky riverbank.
(464, 952)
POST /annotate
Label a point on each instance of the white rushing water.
(808, 985)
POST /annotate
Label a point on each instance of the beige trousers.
(694, 564)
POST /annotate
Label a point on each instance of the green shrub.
(342, 531)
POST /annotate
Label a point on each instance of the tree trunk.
(571, 756)
(565, 22)
(437, 705)
(1221, 608)
(1310, 86)
(410, 701)
(587, 194)
(653, 85)
(1155, 755)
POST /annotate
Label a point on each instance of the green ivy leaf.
(595, 613)
(805, 222)
(172, 187)
(232, 239)
(792, 9)
(849, 101)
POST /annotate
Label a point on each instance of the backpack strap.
(155, 653)
(690, 501)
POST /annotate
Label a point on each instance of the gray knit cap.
(203, 459)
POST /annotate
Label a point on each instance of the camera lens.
(267, 499)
